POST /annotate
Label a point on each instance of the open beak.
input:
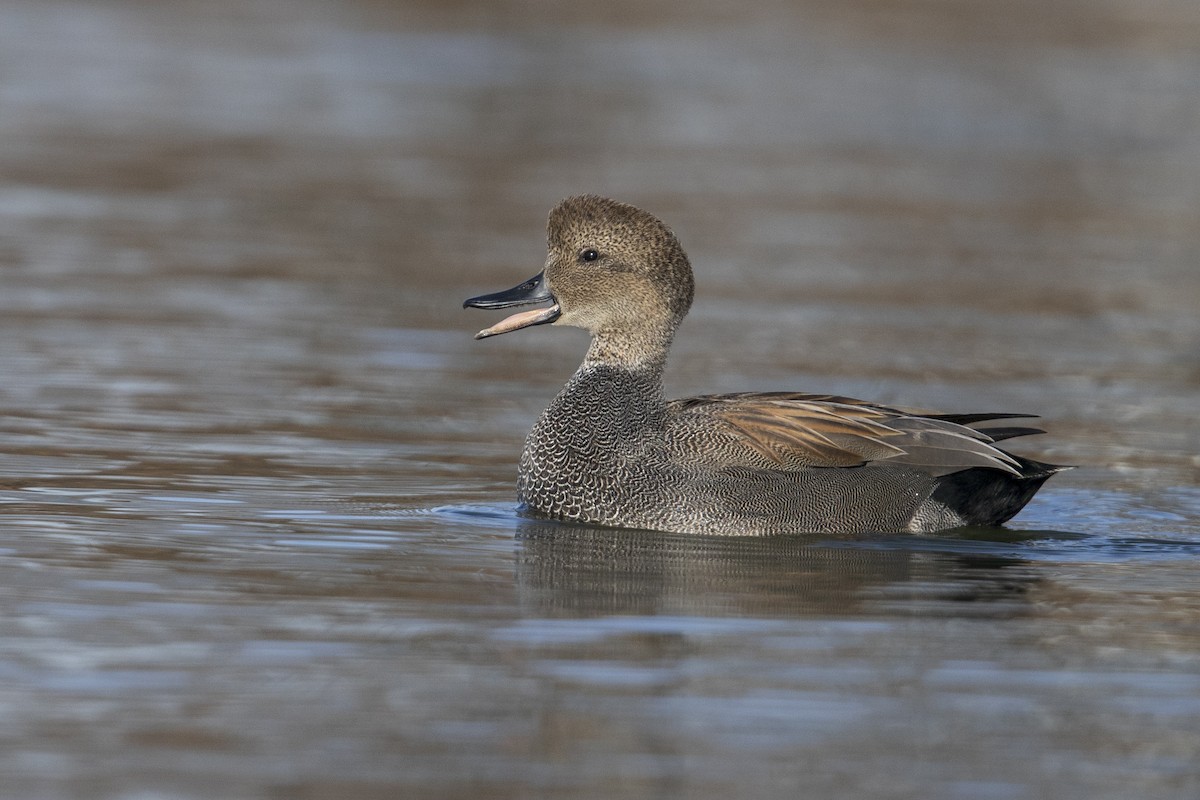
(531, 291)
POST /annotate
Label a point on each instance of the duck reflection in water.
(582, 570)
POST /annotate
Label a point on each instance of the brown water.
(258, 536)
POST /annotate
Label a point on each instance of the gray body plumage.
(611, 450)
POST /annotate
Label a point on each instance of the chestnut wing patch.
(794, 430)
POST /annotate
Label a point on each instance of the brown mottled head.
(614, 268)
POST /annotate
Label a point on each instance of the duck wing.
(791, 430)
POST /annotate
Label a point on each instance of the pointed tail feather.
(982, 496)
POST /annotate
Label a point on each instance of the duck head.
(613, 270)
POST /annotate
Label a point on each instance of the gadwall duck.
(612, 450)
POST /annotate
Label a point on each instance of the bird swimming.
(610, 449)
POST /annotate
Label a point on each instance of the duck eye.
(589, 254)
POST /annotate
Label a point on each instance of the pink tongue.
(519, 320)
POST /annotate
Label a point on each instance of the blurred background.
(940, 203)
(245, 432)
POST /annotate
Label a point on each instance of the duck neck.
(643, 352)
(618, 389)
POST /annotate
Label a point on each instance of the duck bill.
(531, 291)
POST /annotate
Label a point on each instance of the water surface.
(257, 534)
